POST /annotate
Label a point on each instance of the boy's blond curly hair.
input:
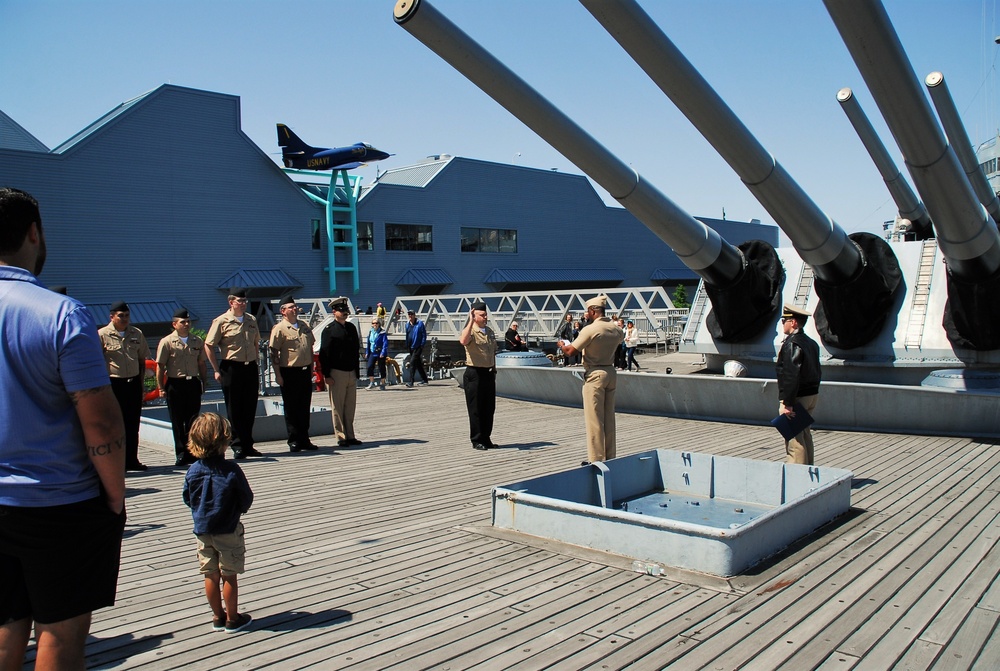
(210, 435)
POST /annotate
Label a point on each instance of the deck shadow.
(295, 620)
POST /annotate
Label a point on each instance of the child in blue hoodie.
(217, 493)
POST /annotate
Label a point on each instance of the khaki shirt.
(294, 346)
(598, 341)
(481, 352)
(236, 340)
(125, 356)
(178, 359)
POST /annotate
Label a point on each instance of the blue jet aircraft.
(297, 154)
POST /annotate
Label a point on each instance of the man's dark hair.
(18, 209)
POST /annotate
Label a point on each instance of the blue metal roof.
(264, 280)
(423, 277)
(550, 275)
(142, 312)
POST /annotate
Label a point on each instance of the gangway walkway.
(541, 313)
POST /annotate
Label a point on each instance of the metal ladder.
(697, 312)
(805, 286)
(921, 293)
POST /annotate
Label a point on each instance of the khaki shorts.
(225, 553)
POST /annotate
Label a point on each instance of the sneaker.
(219, 623)
(371, 385)
(424, 383)
(241, 622)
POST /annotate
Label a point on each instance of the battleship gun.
(959, 141)
(967, 237)
(743, 283)
(907, 204)
(856, 276)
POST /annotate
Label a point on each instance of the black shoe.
(480, 446)
(292, 447)
(184, 460)
(342, 443)
(252, 452)
(585, 463)
(353, 441)
(310, 447)
(241, 622)
(239, 455)
(136, 466)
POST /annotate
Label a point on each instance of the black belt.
(233, 362)
(183, 377)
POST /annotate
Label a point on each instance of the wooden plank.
(371, 558)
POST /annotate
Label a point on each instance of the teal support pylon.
(342, 198)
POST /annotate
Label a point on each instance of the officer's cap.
(120, 306)
(339, 304)
(790, 311)
(600, 301)
(237, 292)
(182, 314)
(285, 300)
(479, 305)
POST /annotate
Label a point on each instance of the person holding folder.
(798, 373)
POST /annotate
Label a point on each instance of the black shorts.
(58, 562)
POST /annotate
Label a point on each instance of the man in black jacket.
(339, 359)
(798, 373)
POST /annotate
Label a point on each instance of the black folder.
(790, 427)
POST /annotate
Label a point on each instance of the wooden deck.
(382, 557)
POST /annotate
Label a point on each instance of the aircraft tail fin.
(289, 142)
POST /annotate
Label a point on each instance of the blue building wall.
(165, 197)
(561, 222)
(162, 200)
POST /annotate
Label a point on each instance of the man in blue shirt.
(416, 338)
(62, 456)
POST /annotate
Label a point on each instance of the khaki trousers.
(343, 401)
(599, 413)
(800, 448)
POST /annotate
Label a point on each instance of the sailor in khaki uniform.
(598, 340)
(180, 375)
(291, 346)
(125, 353)
(480, 378)
(236, 334)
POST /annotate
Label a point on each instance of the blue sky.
(340, 71)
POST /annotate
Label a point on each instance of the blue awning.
(422, 277)
(141, 312)
(261, 282)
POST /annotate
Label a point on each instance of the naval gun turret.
(874, 326)
(966, 235)
(856, 276)
(743, 283)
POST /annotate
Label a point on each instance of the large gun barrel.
(966, 236)
(721, 265)
(907, 203)
(856, 276)
(959, 141)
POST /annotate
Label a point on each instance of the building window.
(366, 241)
(408, 238)
(316, 235)
(496, 240)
